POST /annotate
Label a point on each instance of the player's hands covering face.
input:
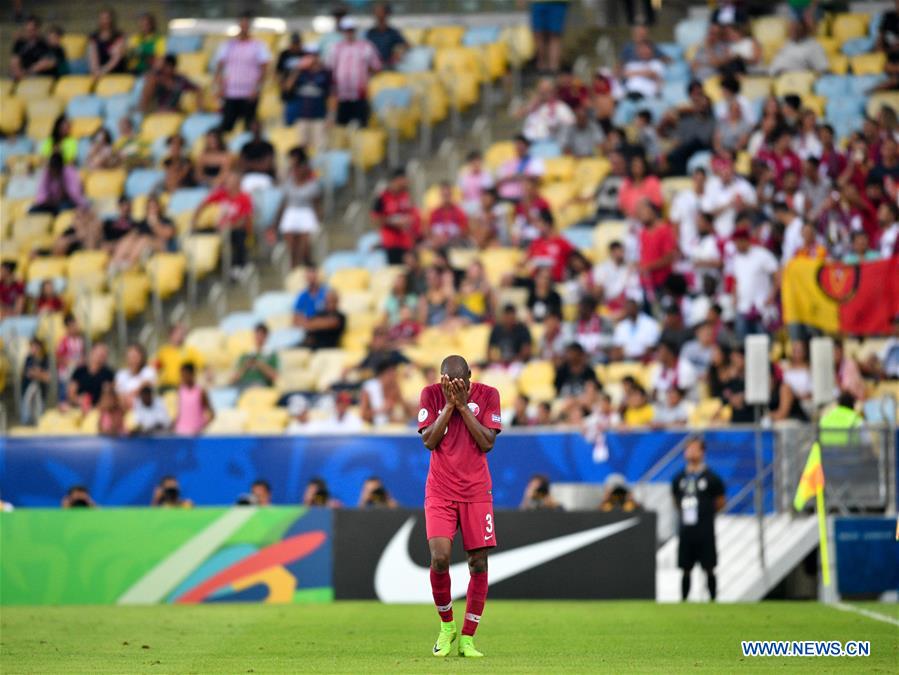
(460, 393)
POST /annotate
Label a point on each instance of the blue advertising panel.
(867, 555)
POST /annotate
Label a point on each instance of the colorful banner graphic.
(837, 298)
(37, 472)
(148, 556)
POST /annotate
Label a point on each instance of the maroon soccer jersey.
(458, 469)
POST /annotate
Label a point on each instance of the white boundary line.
(843, 607)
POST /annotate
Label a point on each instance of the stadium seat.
(14, 327)
(498, 154)
(756, 87)
(868, 64)
(503, 382)
(210, 342)
(160, 125)
(798, 82)
(95, 312)
(339, 260)
(238, 321)
(115, 108)
(222, 398)
(536, 380)
(183, 43)
(368, 147)
(34, 88)
(202, 252)
(12, 116)
(604, 234)
(110, 85)
(860, 85)
(333, 167)
(832, 86)
(690, 32)
(21, 186)
(105, 183)
(39, 126)
(417, 59)
(30, 226)
(47, 267)
(85, 127)
(258, 398)
(57, 423)
(500, 262)
(473, 342)
(349, 279)
(195, 126)
(193, 65)
(880, 99)
(285, 337)
(131, 291)
(186, 199)
(266, 207)
(166, 271)
(272, 303)
(445, 36)
(143, 182)
(271, 421)
(846, 27)
(227, 422)
(69, 86)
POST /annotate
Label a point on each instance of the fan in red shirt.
(527, 213)
(549, 249)
(12, 291)
(458, 422)
(396, 216)
(448, 224)
(780, 157)
(658, 247)
(235, 215)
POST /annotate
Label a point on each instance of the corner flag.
(811, 484)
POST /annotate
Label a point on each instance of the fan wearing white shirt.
(726, 194)
(730, 90)
(644, 75)
(134, 375)
(149, 413)
(888, 219)
(548, 116)
(615, 278)
(685, 211)
(792, 225)
(635, 334)
(757, 278)
(703, 255)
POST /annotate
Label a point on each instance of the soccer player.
(698, 494)
(458, 422)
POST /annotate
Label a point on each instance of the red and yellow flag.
(838, 298)
(812, 479)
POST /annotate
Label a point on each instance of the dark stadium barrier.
(867, 555)
(37, 471)
(540, 554)
(305, 555)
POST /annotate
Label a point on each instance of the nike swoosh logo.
(399, 579)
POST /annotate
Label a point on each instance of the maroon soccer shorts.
(443, 517)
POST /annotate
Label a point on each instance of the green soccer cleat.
(444, 644)
(466, 647)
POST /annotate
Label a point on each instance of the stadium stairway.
(788, 540)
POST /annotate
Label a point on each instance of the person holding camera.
(168, 494)
(375, 496)
(317, 494)
(536, 496)
(78, 497)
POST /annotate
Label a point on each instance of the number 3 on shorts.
(488, 527)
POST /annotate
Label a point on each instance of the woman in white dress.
(299, 212)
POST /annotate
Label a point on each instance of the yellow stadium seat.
(520, 42)
(166, 272)
(284, 139)
(112, 85)
(673, 185)
(132, 290)
(705, 412)
(386, 80)
(558, 195)
(202, 251)
(368, 147)
(816, 104)
(431, 95)
(558, 169)
(74, 45)
(350, 279)
(414, 35)
(193, 64)
(39, 127)
(431, 198)
(498, 154)
(6, 87)
(880, 99)
(272, 421)
(86, 263)
(457, 60)
(210, 341)
(617, 371)
(536, 381)
(329, 365)
(503, 382)
(839, 63)
(756, 87)
(829, 45)
(12, 115)
(356, 339)
(445, 36)
(462, 87)
(500, 262)
(712, 88)
(57, 423)
(95, 312)
(604, 234)
(355, 301)
(69, 86)
(50, 328)
(271, 107)
(160, 125)
(589, 173)
(258, 398)
(382, 280)
(295, 281)
(494, 59)
(47, 268)
(848, 27)
(105, 183)
(34, 88)
(798, 82)
(85, 127)
(227, 422)
(462, 258)
(90, 424)
(31, 226)
(868, 64)
(473, 342)
(291, 359)
(62, 222)
(44, 107)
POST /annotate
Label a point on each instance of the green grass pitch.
(367, 637)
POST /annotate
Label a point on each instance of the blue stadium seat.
(85, 106)
(84, 147)
(874, 21)
(223, 398)
(844, 127)
(861, 85)
(656, 107)
(22, 186)
(846, 106)
(143, 182)
(238, 321)
(33, 288)
(545, 150)
(368, 242)
(417, 60)
(675, 93)
(136, 91)
(480, 35)
(393, 97)
(375, 260)
(624, 112)
(116, 107)
(273, 303)
(18, 327)
(672, 50)
(857, 46)
(183, 43)
(266, 205)
(197, 125)
(579, 237)
(186, 199)
(690, 32)
(14, 147)
(285, 338)
(880, 411)
(79, 66)
(339, 260)
(239, 140)
(831, 86)
(678, 70)
(334, 166)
